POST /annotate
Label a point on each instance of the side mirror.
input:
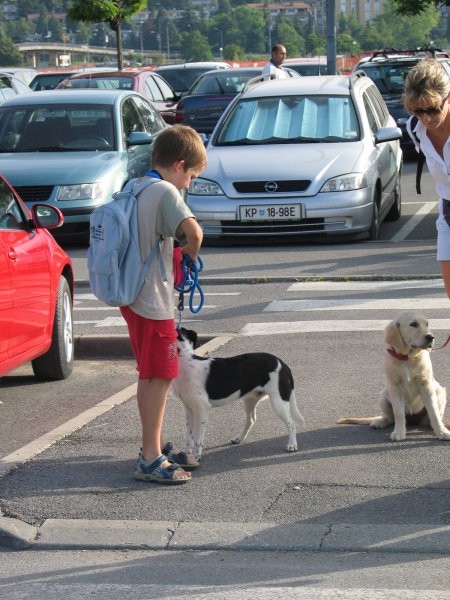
(46, 216)
(139, 138)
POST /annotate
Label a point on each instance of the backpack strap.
(421, 158)
(137, 186)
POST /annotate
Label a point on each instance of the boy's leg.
(445, 268)
(152, 396)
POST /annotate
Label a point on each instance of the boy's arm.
(194, 236)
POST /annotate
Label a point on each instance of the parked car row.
(298, 157)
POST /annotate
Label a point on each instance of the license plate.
(271, 212)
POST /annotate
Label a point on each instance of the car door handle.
(12, 254)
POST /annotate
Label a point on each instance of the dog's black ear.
(191, 336)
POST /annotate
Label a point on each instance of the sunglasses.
(419, 112)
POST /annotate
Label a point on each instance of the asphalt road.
(351, 514)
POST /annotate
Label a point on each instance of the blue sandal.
(180, 458)
(155, 472)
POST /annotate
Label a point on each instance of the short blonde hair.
(427, 84)
(179, 142)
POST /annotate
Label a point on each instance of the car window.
(166, 90)
(130, 118)
(374, 126)
(378, 104)
(290, 119)
(72, 127)
(389, 78)
(153, 122)
(153, 90)
(11, 216)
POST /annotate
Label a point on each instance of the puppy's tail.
(355, 420)
(293, 409)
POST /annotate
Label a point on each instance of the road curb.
(105, 345)
(70, 534)
(84, 284)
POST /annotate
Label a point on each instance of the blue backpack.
(116, 270)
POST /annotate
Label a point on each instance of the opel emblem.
(271, 186)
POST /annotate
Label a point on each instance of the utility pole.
(331, 36)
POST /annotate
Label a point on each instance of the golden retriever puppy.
(412, 396)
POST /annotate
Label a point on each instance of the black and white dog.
(206, 382)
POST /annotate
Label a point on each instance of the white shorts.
(443, 239)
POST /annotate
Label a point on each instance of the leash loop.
(190, 285)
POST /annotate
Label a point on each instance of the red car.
(36, 289)
(147, 83)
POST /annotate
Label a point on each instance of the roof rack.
(391, 52)
(258, 79)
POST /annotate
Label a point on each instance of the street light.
(220, 32)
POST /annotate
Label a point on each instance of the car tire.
(374, 230)
(57, 362)
(395, 212)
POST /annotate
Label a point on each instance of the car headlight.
(345, 183)
(203, 187)
(82, 191)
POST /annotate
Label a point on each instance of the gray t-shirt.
(161, 209)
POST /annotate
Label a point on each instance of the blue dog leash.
(190, 285)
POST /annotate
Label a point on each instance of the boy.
(178, 156)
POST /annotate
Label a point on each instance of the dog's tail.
(293, 409)
(355, 420)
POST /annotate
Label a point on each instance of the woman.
(426, 96)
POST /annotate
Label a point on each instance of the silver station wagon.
(313, 156)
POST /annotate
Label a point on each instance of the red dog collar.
(393, 352)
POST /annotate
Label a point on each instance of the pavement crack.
(269, 507)
(325, 535)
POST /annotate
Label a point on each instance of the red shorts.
(154, 345)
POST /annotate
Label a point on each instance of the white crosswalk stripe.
(282, 327)
(315, 304)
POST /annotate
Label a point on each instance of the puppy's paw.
(443, 435)
(398, 436)
(291, 448)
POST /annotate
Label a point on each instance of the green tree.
(9, 55)
(414, 7)
(315, 45)
(107, 11)
(233, 52)
(390, 30)
(291, 40)
(195, 47)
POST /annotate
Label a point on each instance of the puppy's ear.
(192, 336)
(393, 337)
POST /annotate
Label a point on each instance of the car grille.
(256, 187)
(35, 193)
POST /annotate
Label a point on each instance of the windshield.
(291, 119)
(104, 83)
(389, 79)
(222, 82)
(56, 128)
(181, 79)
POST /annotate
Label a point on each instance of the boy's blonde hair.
(180, 142)
(426, 85)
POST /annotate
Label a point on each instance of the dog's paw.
(397, 436)
(444, 435)
(291, 448)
